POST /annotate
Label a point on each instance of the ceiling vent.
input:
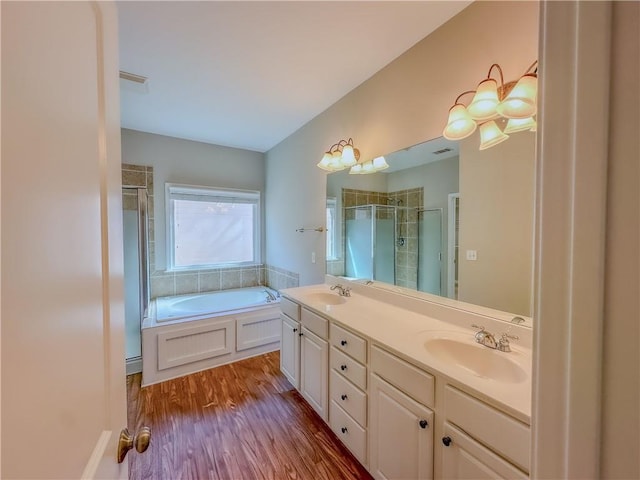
(444, 150)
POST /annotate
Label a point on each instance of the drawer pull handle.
(343, 342)
(343, 396)
(343, 367)
(344, 429)
(300, 334)
(424, 424)
(447, 441)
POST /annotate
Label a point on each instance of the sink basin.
(480, 361)
(325, 298)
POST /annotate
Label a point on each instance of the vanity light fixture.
(340, 155)
(514, 102)
(370, 166)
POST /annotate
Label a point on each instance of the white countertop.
(405, 332)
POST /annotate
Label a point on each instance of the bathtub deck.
(237, 421)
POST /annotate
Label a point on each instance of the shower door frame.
(142, 196)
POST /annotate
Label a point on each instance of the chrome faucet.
(485, 338)
(270, 296)
(342, 291)
(503, 343)
(488, 340)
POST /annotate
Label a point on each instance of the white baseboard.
(134, 365)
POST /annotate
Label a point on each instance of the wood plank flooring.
(235, 422)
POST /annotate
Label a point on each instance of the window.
(332, 241)
(211, 227)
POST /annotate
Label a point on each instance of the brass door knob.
(126, 442)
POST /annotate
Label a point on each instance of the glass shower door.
(136, 272)
(358, 242)
(430, 251)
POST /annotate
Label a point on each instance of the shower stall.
(136, 271)
(370, 242)
(394, 244)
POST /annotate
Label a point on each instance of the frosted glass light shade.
(520, 124)
(491, 135)
(484, 103)
(367, 167)
(521, 101)
(348, 157)
(336, 162)
(460, 125)
(325, 163)
(379, 163)
(356, 169)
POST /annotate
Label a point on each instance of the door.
(63, 378)
(401, 439)
(314, 372)
(465, 458)
(290, 350)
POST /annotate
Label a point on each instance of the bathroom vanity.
(409, 394)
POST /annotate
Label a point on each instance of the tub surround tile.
(249, 277)
(209, 281)
(231, 279)
(162, 286)
(133, 178)
(186, 283)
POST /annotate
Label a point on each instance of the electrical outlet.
(472, 255)
(313, 257)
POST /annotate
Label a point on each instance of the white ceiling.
(248, 74)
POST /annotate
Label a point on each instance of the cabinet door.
(290, 351)
(314, 372)
(463, 457)
(401, 441)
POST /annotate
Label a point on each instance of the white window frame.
(241, 196)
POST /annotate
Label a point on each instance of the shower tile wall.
(407, 253)
(195, 281)
(406, 248)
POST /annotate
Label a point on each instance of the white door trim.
(572, 147)
(451, 244)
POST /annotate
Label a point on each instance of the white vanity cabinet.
(314, 362)
(399, 419)
(401, 430)
(463, 457)
(290, 341)
(480, 441)
(348, 390)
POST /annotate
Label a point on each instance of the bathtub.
(183, 307)
(185, 334)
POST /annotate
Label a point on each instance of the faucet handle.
(347, 292)
(512, 337)
(503, 343)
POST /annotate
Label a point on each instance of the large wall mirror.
(444, 219)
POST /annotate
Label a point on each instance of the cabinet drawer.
(348, 342)
(348, 367)
(352, 435)
(315, 323)
(349, 397)
(414, 382)
(289, 308)
(500, 432)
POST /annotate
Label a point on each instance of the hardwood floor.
(237, 421)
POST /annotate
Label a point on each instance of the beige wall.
(496, 220)
(620, 369)
(404, 104)
(193, 163)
